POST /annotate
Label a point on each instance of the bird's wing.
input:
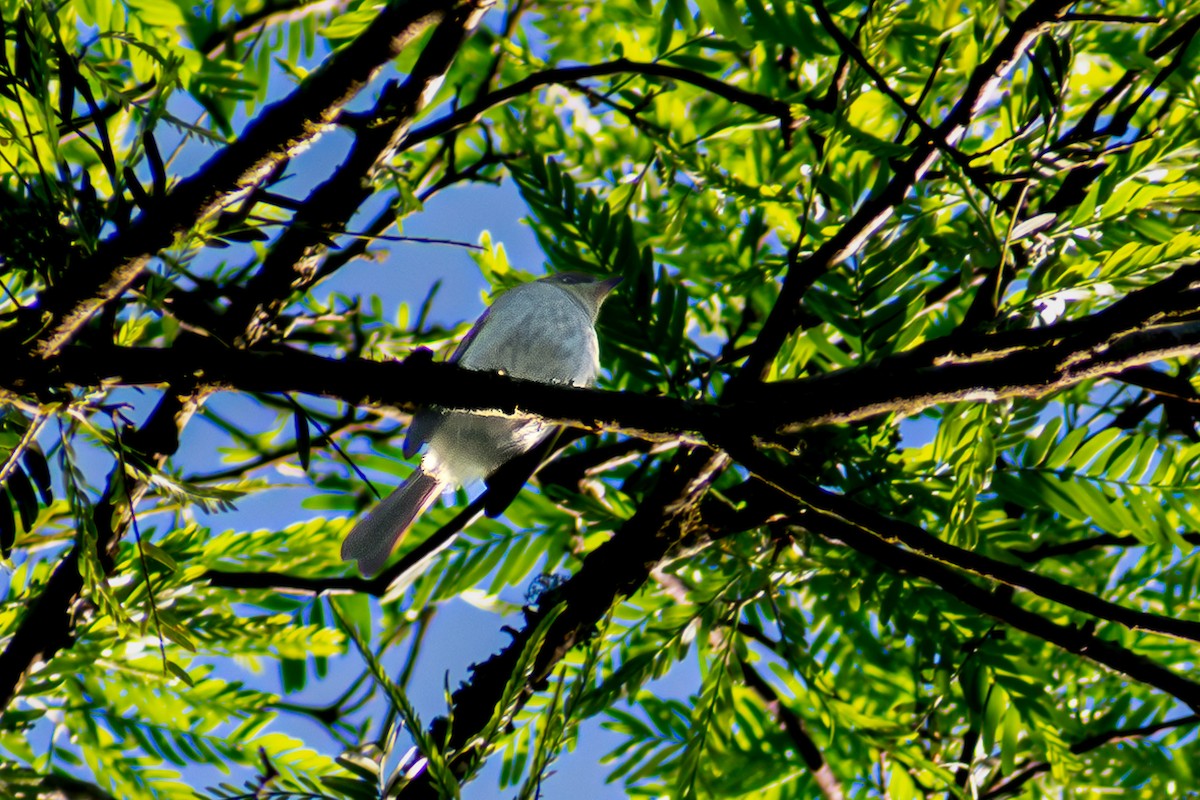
(470, 337)
(425, 423)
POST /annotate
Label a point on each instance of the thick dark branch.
(48, 627)
(615, 569)
(281, 131)
(907, 386)
(1147, 325)
(1057, 549)
(291, 264)
(893, 531)
(904, 384)
(405, 385)
(1073, 640)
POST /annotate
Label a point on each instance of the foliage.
(796, 194)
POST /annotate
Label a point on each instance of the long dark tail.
(372, 539)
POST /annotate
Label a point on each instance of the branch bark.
(1011, 785)
(1033, 363)
(828, 783)
(893, 531)
(472, 112)
(292, 262)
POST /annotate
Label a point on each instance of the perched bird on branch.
(541, 331)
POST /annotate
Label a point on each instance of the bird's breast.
(552, 341)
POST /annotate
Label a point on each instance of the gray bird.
(541, 331)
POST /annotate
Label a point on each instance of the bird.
(544, 331)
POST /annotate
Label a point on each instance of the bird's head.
(588, 289)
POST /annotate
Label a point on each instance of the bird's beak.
(593, 293)
(606, 286)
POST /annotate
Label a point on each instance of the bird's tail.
(372, 539)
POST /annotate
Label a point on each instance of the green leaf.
(349, 25)
(354, 609)
(158, 554)
(1065, 449)
(180, 672)
(1094, 447)
(900, 784)
(21, 490)
(39, 471)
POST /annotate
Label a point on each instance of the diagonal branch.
(47, 626)
(292, 262)
(272, 12)
(1058, 549)
(880, 547)
(1013, 783)
(894, 531)
(666, 516)
(876, 209)
(911, 114)
(828, 783)
(282, 130)
(378, 586)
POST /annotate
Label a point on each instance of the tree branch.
(271, 12)
(291, 264)
(1056, 549)
(858, 394)
(838, 521)
(876, 209)
(615, 569)
(894, 531)
(1002, 366)
(827, 782)
(48, 626)
(378, 586)
(282, 130)
(1013, 784)
(471, 112)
